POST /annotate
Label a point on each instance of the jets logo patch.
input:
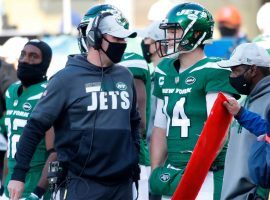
(121, 86)
(190, 80)
(165, 177)
(27, 106)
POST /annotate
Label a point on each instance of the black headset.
(94, 36)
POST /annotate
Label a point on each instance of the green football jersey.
(263, 41)
(2, 126)
(19, 109)
(140, 70)
(184, 96)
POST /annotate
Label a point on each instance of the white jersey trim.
(134, 64)
(160, 118)
(7, 94)
(211, 98)
(209, 65)
(157, 70)
(38, 96)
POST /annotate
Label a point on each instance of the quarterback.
(186, 85)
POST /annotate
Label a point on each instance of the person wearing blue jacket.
(251, 121)
(259, 157)
(250, 76)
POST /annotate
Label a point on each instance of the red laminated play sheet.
(205, 151)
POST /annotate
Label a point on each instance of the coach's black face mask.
(30, 74)
(115, 51)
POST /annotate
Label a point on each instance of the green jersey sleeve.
(217, 80)
(140, 70)
(137, 66)
(2, 126)
(263, 41)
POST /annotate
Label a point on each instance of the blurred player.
(263, 19)
(140, 70)
(229, 25)
(21, 98)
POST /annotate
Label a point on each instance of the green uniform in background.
(140, 70)
(2, 126)
(184, 96)
(263, 41)
(19, 109)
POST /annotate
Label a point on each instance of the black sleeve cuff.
(240, 112)
(52, 150)
(19, 174)
(39, 191)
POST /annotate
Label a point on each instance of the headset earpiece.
(94, 36)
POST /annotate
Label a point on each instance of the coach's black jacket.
(95, 120)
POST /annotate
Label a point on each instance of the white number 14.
(179, 117)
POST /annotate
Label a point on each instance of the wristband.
(39, 191)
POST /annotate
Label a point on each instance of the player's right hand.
(232, 106)
(15, 189)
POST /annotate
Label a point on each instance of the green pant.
(164, 180)
(144, 153)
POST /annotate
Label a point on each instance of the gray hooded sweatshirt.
(237, 183)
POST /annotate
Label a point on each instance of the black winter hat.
(45, 50)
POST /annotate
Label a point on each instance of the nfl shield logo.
(176, 80)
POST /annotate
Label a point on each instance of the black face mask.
(227, 32)
(115, 51)
(30, 74)
(146, 51)
(242, 85)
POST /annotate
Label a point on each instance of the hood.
(79, 60)
(260, 89)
